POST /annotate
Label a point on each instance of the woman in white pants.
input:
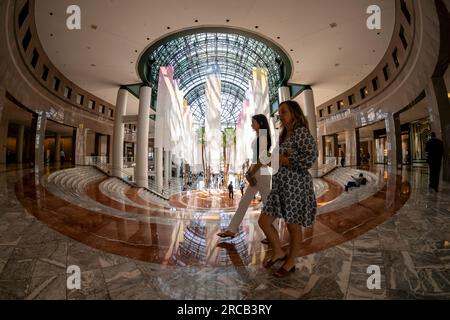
(258, 182)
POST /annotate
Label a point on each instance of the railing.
(101, 164)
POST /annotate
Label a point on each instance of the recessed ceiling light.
(51, 13)
(148, 39)
(336, 64)
(340, 48)
(333, 25)
(92, 65)
(228, 20)
(94, 26)
(298, 61)
(168, 28)
(291, 50)
(131, 62)
(378, 33)
(196, 20)
(88, 47)
(51, 34)
(256, 27)
(135, 51)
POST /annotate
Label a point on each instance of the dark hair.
(299, 118)
(263, 124)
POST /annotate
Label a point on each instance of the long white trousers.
(263, 186)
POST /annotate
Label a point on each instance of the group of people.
(292, 195)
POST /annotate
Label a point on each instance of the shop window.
(395, 57)
(386, 72)
(364, 92)
(375, 84)
(23, 15)
(26, 40)
(45, 73)
(351, 99)
(80, 99)
(67, 92)
(56, 83)
(405, 11)
(35, 58)
(402, 37)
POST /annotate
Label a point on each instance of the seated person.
(360, 180)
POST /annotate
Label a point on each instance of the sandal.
(226, 234)
(271, 262)
(282, 272)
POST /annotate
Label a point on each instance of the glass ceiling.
(192, 56)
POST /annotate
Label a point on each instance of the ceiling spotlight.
(256, 27)
(278, 37)
(168, 28)
(333, 25)
(228, 20)
(196, 20)
(291, 50)
(51, 13)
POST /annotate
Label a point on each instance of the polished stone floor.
(130, 247)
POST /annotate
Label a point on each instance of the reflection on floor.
(131, 247)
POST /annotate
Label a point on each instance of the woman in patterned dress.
(292, 197)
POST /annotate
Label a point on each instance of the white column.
(284, 94)
(393, 139)
(309, 109)
(80, 145)
(41, 125)
(350, 147)
(121, 107)
(141, 173)
(20, 142)
(159, 167)
(166, 167)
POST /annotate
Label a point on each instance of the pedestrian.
(230, 191)
(292, 197)
(435, 150)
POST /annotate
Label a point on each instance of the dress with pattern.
(292, 197)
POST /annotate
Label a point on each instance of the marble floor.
(130, 247)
